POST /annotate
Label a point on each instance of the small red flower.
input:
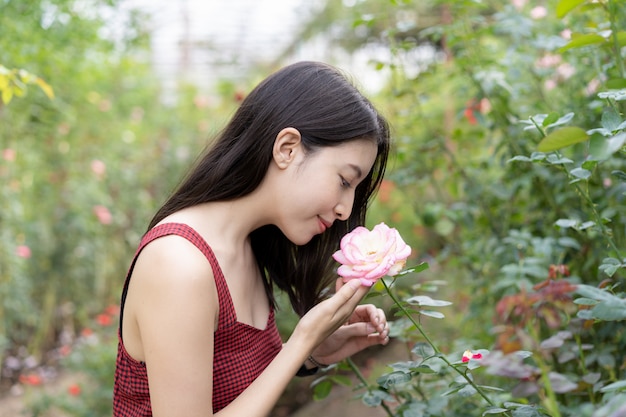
(31, 379)
(86, 332)
(467, 355)
(112, 310)
(239, 96)
(74, 390)
(65, 350)
(104, 320)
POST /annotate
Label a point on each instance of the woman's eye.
(344, 183)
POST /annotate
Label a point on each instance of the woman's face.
(321, 187)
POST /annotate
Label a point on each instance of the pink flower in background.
(9, 154)
(103, 214)
(369, 255)
(23, 251)
(549, 84)
(538, 12)
(467, 355)
(548, 61)
(565, 70)
(518, 4)
(99, 168)
(592, 87)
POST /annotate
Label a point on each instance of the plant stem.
(551, 401)
(435, 348)
(361, 378)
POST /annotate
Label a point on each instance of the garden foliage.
(88, 152)
(509, 182)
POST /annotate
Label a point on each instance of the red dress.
(241, 352)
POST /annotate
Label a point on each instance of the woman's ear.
(286, 146)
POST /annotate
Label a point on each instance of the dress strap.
(227, 314)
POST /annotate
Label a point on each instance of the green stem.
(551, 401)
(361, 378)
(612, 10)
(435, 348)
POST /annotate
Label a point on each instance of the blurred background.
(507, 178)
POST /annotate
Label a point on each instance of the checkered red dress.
(241, 351)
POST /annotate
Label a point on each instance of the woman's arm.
(172, 306)
(175, 307)
(320, 322)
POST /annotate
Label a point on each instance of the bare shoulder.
(173, 258)
(172, 275)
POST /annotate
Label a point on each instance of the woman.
(265, 207)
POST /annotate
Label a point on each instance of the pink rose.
(369, 255)
(23, 251)
(103, 214)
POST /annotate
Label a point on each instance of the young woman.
(265, 207)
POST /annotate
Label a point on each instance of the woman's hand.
(367, 326)
(325, 318)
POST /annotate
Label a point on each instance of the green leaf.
(551, 118)
(423, 369)
(616, 83)
(566, 223)
(423, 349)
(589, 165)
(579, 41)
(610, 266)
(621, 175)
(434, 314)
(375, 397)
(415, 269)
(592, 292)
(490, 388)
(602, 148)
(520, 158)
(495, 410)
(617, 95)
(424, 300)
(583, 301)
(610, 310)
(615, 386)
(560, 121)
(322, 389)
(580, 173)
(566, 6)
(561, 138)
(556, 160)
(611, 119)
(527, 411)
(394, 378)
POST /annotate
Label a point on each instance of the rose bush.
(369, 255)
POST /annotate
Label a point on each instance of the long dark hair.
(319, 101)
